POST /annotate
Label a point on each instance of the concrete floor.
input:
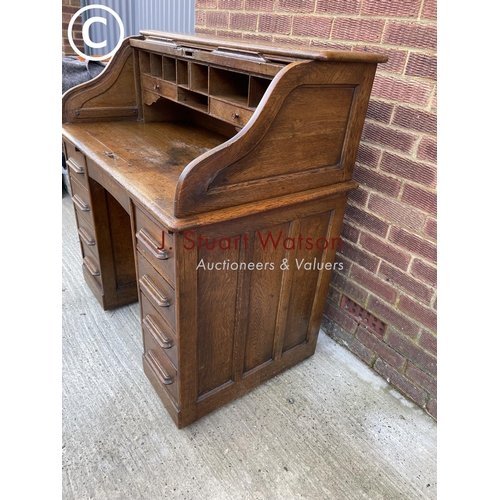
(329, 428)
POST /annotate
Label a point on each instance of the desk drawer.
(229, 112)
(158, 86)
(159, 330)
(73, 153)
(77, 173)
(81, 200)
(164, 371)
(156, 244)
(90, 263)
(86, 232)
(156, 290)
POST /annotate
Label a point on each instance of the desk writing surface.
(148, 158)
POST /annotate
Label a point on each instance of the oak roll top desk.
(209, 179)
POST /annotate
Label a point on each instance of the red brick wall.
(69, 8)
(389, 235)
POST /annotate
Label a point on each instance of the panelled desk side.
(248, 148)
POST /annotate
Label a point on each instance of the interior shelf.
(193, 99)
(145, 62)
(156, 65)
(258, 87)
(198, 78)
(182, 72)
(169, 71)
(229, 85)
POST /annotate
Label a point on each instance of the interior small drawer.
(156, 290)
(156, 244)
(159, 329)
(159, 86)
(164, 371)
(73, 153)
(229, 112)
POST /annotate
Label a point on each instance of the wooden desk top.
(148, 158)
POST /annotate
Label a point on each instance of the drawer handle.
(75, 167)
(235, 115)
(85, 237)
(156, 86)
(80, 204)
(151, 244)
(90, 266)
(160, 372)
(149, 287)
(163, 341)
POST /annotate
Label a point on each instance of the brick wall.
(389, 235)
(69, 8)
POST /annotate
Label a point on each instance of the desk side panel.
(257, 289)
(110, 96)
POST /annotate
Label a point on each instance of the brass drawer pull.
(90, 266)
(160, 372)
(89, 241)
(151, 244)
(163, 341)
(150, 289)
(80, 204)
(75, 167)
